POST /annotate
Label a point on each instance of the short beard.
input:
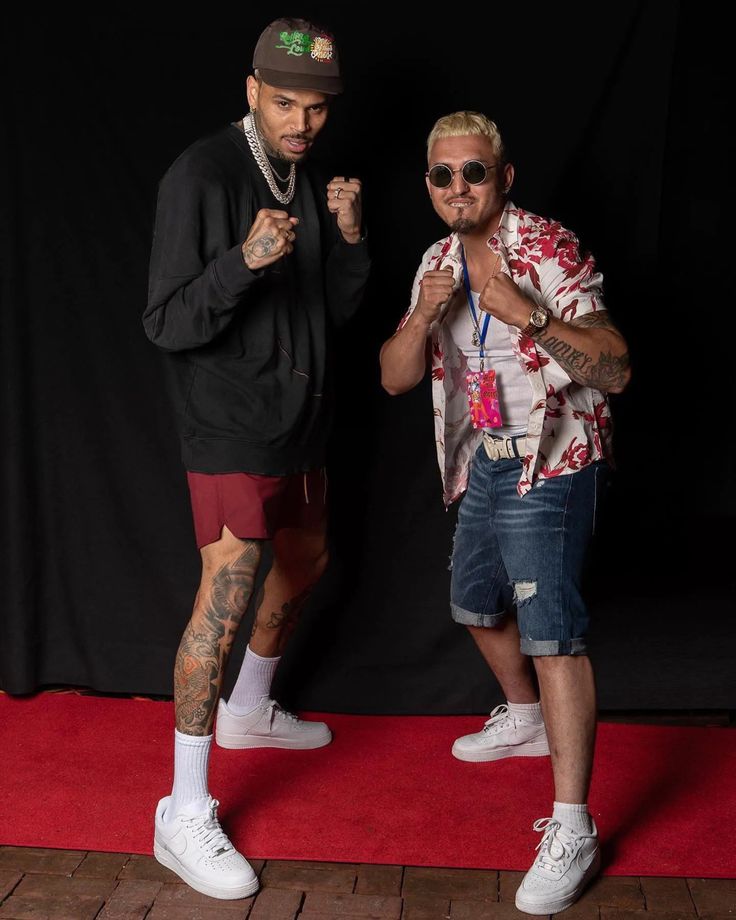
(269, 149)
(463, 225)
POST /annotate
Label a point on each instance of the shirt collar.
(505, 235)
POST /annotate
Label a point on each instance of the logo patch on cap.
(322, 48)
(297, 43)
(295, 53)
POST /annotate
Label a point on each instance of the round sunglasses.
(474, 172)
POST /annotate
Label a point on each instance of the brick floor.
(40, 884)
(668, 894)
(714, 896)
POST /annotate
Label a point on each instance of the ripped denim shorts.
(526, 554)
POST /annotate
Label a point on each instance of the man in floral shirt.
(511, 318)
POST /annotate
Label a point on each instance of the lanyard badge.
(485, 409)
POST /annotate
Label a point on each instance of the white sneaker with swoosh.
(566, 863)
(268, 725)
(199, 851)
(505, 734)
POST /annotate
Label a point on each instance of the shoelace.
(273, 709)
(499, 715)
(555, 847)
(206, 829)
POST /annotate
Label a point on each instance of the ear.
(252, 89)
(429, 186)
(508, 177)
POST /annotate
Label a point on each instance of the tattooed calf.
(207, 641)
(287, 618)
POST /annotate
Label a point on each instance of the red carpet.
(82, 772)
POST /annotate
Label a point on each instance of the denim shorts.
(526, 553)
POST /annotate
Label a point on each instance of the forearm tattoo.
(207, 641)
(259, 248)
(599, 319)
(607, 372)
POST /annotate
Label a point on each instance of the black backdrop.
(616, 118)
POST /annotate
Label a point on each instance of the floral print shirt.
(569, 424)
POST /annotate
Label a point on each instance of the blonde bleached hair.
(461, 124)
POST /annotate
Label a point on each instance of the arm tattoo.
(599, 319)
(207, 641)
(259, 248)
(607, 373)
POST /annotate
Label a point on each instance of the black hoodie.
(248, 351)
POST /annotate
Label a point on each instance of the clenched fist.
(344, 200)
(504, 299)
(271, 237)
(435, 289)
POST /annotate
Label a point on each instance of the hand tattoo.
(259, 249)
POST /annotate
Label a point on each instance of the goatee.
(463, 225)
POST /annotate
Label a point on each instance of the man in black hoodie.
(254, 261)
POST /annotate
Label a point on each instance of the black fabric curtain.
(615, 115)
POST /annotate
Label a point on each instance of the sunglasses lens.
(474, 172)
(440, 176)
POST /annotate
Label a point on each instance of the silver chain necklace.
(259, 155)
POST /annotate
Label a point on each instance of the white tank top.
(514, 390)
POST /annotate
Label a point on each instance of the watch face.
(539, 317)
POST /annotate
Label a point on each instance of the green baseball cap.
(295, 53)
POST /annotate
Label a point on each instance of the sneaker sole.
(532, 749)
(168, 859)
(240, 742)
(560, 904)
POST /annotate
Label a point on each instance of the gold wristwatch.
(538, 321)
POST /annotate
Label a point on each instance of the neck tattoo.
(269, 173)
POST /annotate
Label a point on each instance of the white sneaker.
(268, 726)
(505, 734)
(198, 850)
(566, 862)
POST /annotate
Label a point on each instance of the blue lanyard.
(471, 306)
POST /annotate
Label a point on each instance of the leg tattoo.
(207, 640)
(287, 618)
(259, 601)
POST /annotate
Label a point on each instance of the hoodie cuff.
(232, 274)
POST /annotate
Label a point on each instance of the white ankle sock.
(253, 683)
(530, 712)
(191, 758)
(575, 816)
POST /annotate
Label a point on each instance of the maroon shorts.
(254, 507)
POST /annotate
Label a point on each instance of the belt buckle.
(495, 448)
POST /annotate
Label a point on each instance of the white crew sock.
(191, 758)
(575, 816)
(253, 683)
(529, 712)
